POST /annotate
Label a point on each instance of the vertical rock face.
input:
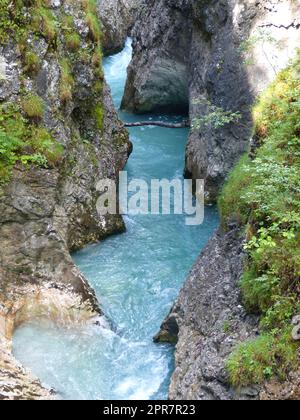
(209, 54)
(117, 17)
(240, 46)
(208, 321)
(158, 74)
(52, 86)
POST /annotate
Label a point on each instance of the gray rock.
(9, 72)
(118, 17)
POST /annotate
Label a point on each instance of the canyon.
(206, 56)
(191, 58)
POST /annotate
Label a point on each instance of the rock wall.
(46, 211)
(205, 54)
(117, 17)
(158, 75)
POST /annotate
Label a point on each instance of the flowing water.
(136, 275)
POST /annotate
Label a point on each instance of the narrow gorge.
(87, 306)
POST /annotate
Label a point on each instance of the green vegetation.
(261, 359)
(33, 106)
(31, 62)
(99, 116)
(263, 195)
(66, 81)
(12, 19)
(72, 38)
(44, 22)
(90, 7)
(216, 117)
(21, 141)
(97, 58)
(73, 41)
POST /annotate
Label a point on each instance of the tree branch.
(184, 124)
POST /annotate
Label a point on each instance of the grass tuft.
(33, 106)
(66, 82)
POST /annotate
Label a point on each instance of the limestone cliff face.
(52, 84)
(117, 17)
(205, 54)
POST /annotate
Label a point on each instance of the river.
(136, 275)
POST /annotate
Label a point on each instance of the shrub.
(215, 116)
(263, 195)
(230, 204)
(43, 144)
(258, 360)
(21, 141)
(259, 291)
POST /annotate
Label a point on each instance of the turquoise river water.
(136, 275)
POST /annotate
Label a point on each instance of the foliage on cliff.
(263, 194)
(24, 137)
